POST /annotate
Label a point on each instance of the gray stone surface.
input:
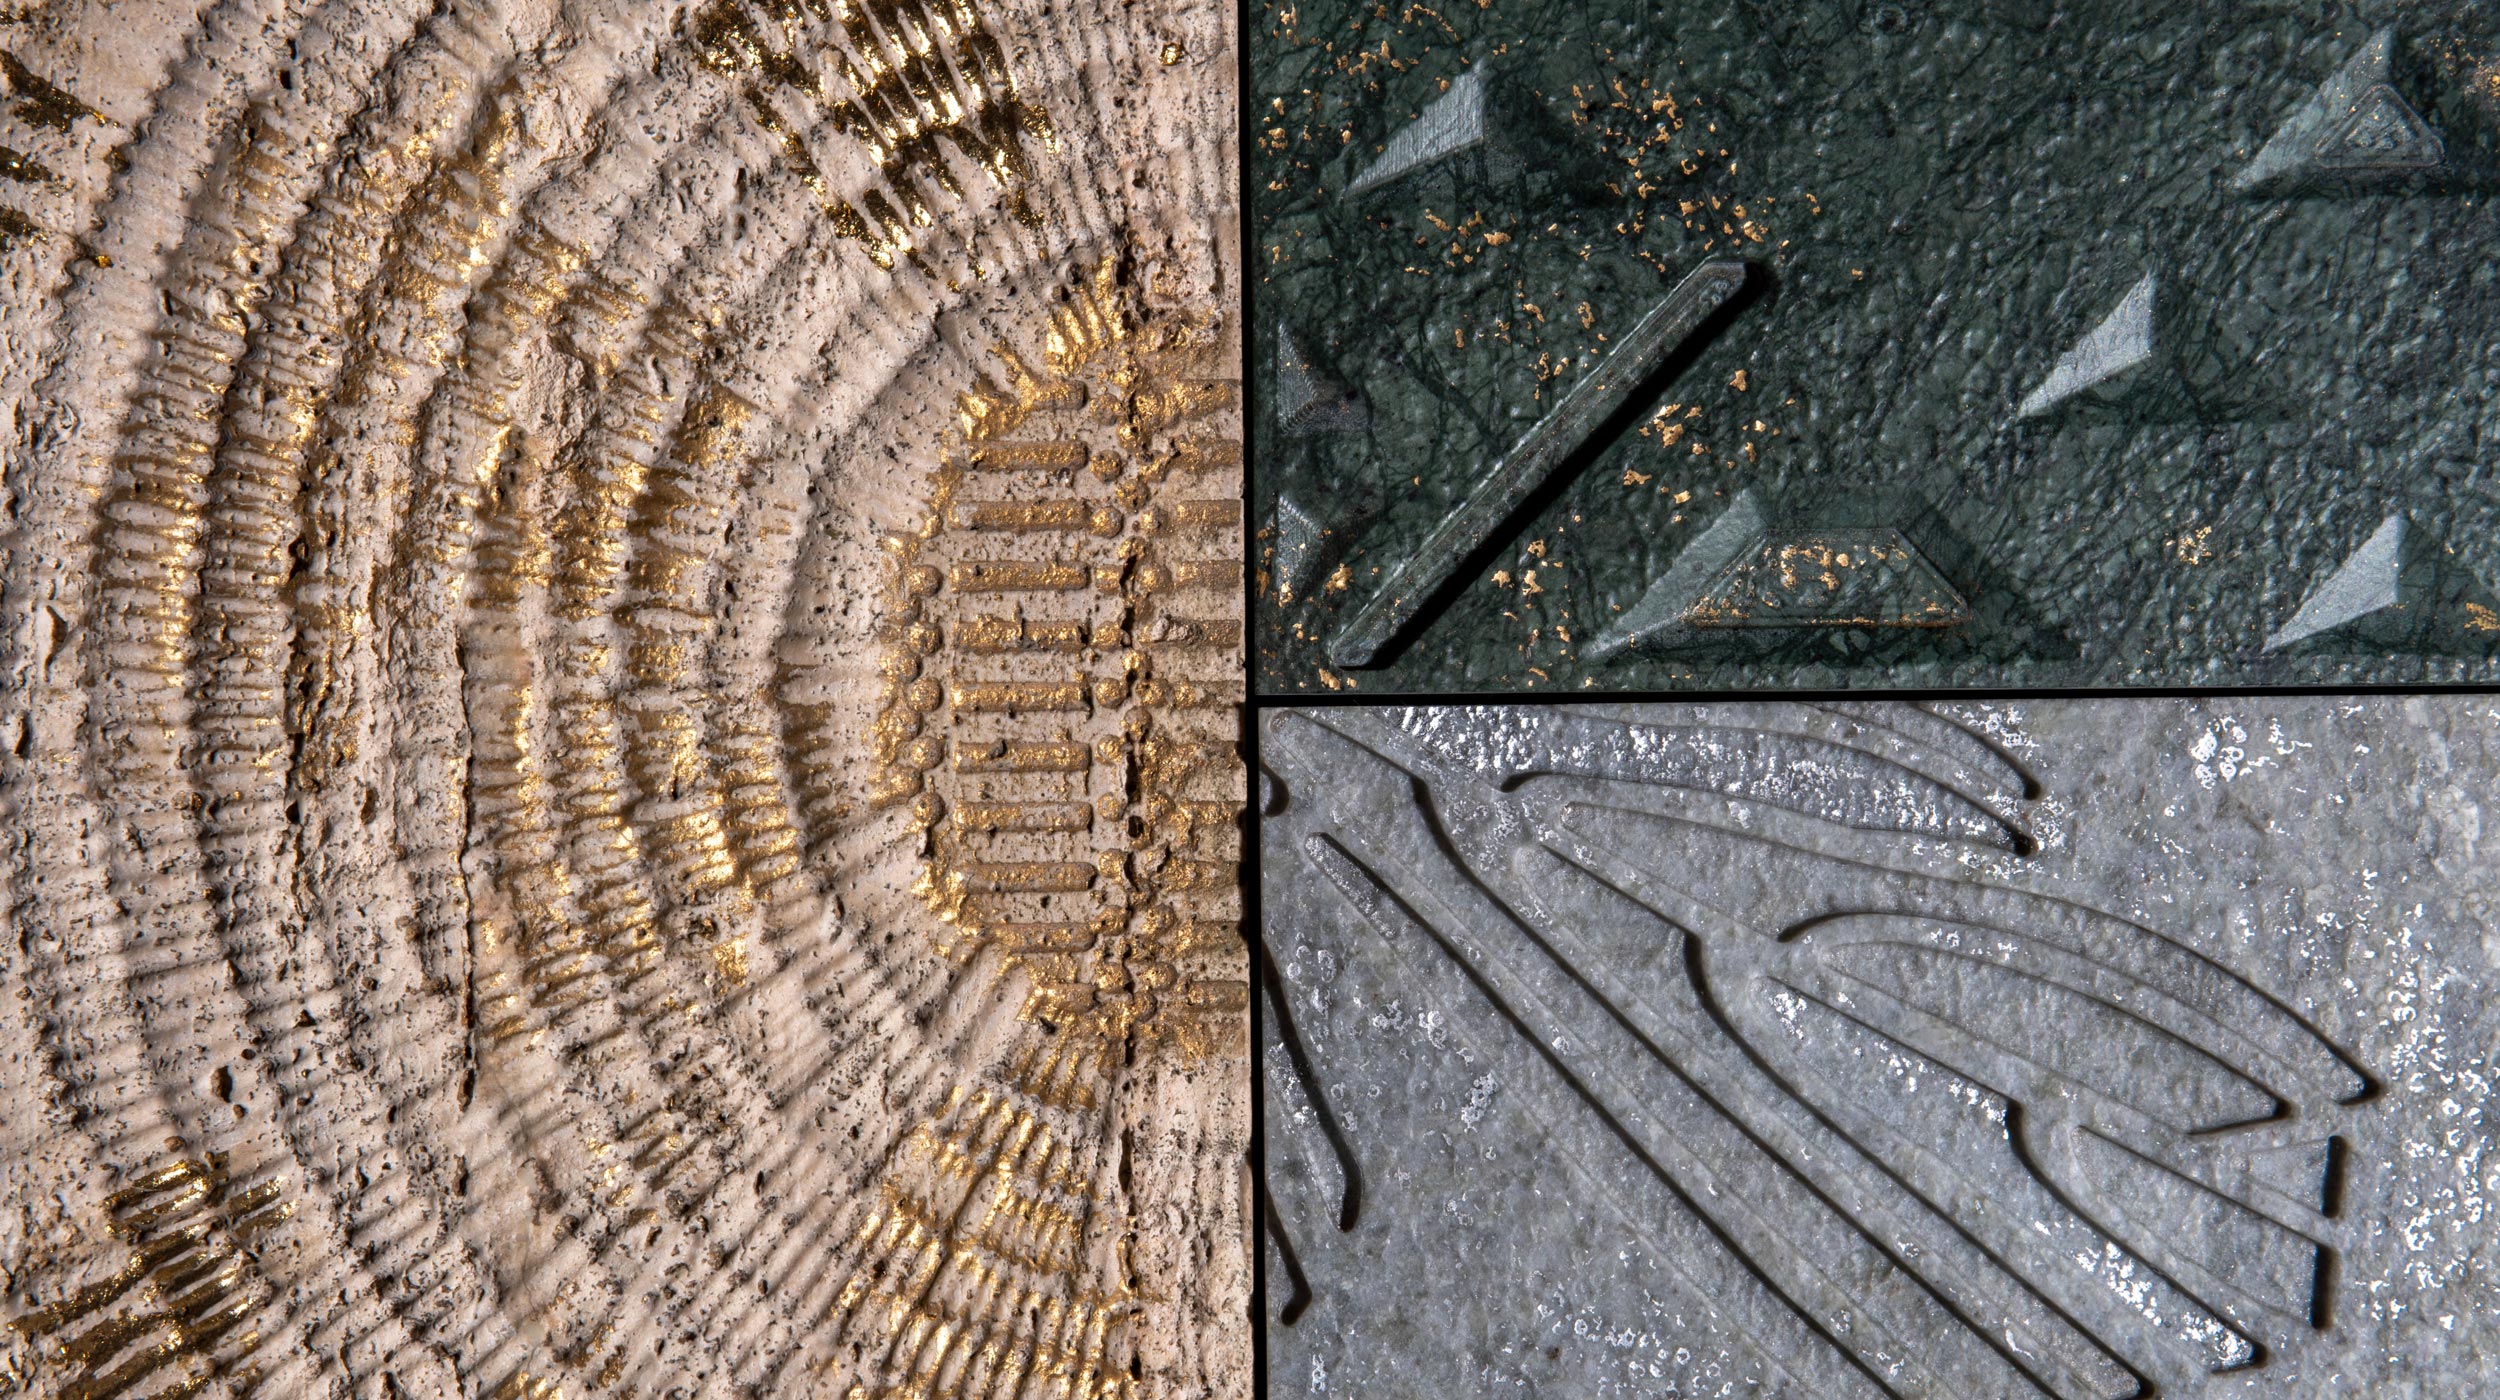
(2074, 1049)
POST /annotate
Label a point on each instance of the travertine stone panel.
(619, 688)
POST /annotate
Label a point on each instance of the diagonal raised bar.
(1526, 466)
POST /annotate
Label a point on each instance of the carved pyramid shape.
(1661, 617)
(1309, 400)
(2383, 133)
(2112, 355)
(1459, 121)
(1297, 549)
(1831, 578)
(1743, 572)
(2365, 584)
(2150, 359)
(2356, 133)
(2402, 588)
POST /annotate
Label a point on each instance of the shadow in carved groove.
(1297, 1285)
(1280, 1025)
(1846, 1085)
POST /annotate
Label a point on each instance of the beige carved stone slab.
(619, 700)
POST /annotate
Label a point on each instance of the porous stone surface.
(2046, 1048)
(619, 668)
(2013, 300)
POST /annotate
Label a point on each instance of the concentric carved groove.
(437, 583)
(174, 1316)
(1146, 836)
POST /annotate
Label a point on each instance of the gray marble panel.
(2074, 1049)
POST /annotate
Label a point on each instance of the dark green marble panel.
(2080, 344)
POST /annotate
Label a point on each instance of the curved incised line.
(1350, 1171)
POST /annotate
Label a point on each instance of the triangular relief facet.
(2357, 134)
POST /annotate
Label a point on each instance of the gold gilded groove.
(618, 915)
(893, 1245)
(990, 408)
(1178, 401)
(570, 964)
(896, 736)
(1026, 876)
(994, 635)
(1186, 820)
(1054, 1347)
(1040, 937)
(1173, 761)
(1188, 695)
(508, 792)
(26, 170)
(999, 1130)
(16, 228)
(1016, 697)
(1022, 816)
(1061, 1072)
(516, 303)
(601, 306)
(1183, 873)
(1032, 1235)
(153, 524)
(1092, 324)
(191, 1280)
(1183, 938)
(1196, 456)
(1066, 517)
(681, 507)
(1018, 576)
(1181, 517)
(763, 778)
(1223, 575)
(968, 1286)
(907, 82)
(818, 753)
(1220, 997)
(252, 638)
(39, 103)
(1023, 756)
(755, 807)
(605, 475)
(1174, 630)
(1121, 922)
(429, 252)
(1029, 456)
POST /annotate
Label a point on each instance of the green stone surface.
(1942, 204)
